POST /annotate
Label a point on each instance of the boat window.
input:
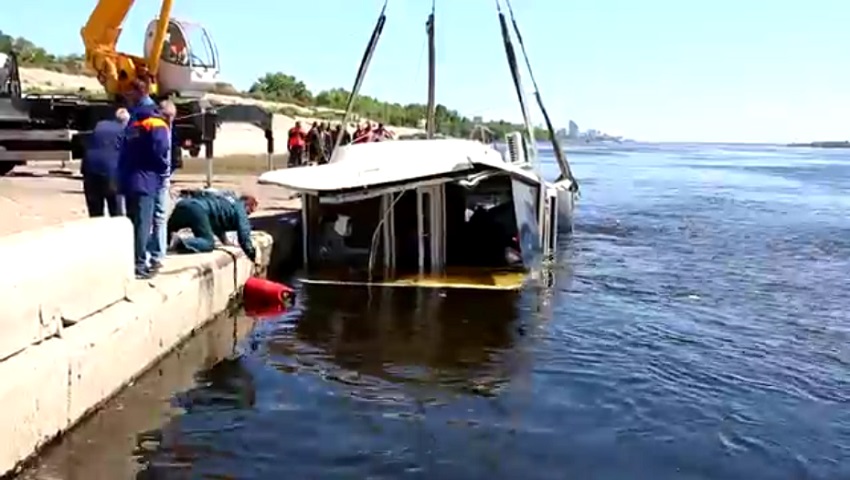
(486, 234)
(553, 223)
(341, 236)
(175, 48)
(426, 231)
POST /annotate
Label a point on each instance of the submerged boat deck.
(454, 277)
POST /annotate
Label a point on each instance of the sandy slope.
(233, 138)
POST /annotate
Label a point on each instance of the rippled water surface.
(698, 329)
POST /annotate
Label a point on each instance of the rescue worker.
(158, 242)
(327, 142)
(144, 161)
(295, 145)
(380, 134)
(139, 96)
(364, 134)
(346, 135)
(314, 143)
(211, 215)
(100, 166)
(176, 52)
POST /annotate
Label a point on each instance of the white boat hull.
(566, 206)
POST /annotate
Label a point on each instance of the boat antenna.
(361, 71)
(530, 148)
(431, 119)
(560, 155)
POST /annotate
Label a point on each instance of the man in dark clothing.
(314, 143)
(327, 142)
(346, 136)
(144, 161)
(100, 166)
(211, 215)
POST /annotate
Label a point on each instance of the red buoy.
(264, 295)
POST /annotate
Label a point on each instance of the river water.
(698, 329)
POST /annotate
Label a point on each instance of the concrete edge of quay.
(78, 327)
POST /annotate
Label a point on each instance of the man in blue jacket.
(211, 215)
(158, 242)
(144, 162)
(100, 166)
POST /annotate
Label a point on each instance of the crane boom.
(116, 70)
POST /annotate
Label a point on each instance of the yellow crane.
(170, 64)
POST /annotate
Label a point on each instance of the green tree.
(280, 86)
(30, 54)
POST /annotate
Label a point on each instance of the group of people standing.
(127, 168)
(316, 144)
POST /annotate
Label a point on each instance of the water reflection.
(108, 444)
(460, 340)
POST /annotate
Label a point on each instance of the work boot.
(144, 274)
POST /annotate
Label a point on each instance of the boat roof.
(366, 165)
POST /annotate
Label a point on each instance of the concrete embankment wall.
(77, 326)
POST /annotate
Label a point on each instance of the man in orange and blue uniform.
(144, 162)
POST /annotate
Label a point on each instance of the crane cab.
(189, 63)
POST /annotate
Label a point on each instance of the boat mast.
(430, 121)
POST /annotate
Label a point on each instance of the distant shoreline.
(834, 144)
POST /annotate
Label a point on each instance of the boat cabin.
(445, 213)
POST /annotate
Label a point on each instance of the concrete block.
(48, 387)
(184, 309)
(22, 289)
(98, 266)
(61, 272)
(105, 352)
(34, 396)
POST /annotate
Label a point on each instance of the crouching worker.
(211, 216)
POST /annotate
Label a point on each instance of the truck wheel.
(7, 167)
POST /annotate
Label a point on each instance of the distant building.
(478, 119)
(574, 131)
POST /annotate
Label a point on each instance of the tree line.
(282, 87)
(30, 54)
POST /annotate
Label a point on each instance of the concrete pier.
(78, 327)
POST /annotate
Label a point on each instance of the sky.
(653, 70)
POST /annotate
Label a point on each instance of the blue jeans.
(158, 243)
(140, 210)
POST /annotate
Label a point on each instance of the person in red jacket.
(295, 145)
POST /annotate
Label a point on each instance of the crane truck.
(180, 62)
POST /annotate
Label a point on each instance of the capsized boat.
(422, 213)
(437, 213)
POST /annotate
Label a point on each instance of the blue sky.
(745, 70)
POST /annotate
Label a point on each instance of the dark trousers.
(100, 190)
(295, 156)
(188, 213)
(140, 211)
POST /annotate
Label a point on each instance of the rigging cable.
(560, 156)
(361, 72)
(530, 147)
(431, 118)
